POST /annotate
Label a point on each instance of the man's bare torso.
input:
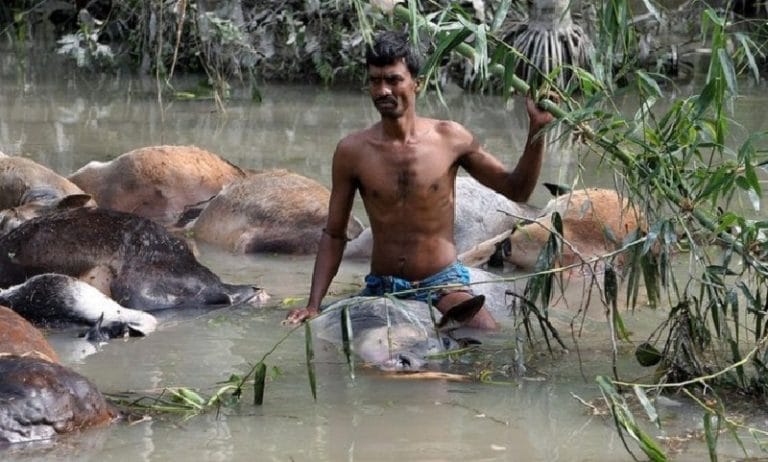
(408, 192)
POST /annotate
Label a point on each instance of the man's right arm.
(326, 266)
(517, 184)
(334, 236)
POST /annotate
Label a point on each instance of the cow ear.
(74, 201)
(557, 189)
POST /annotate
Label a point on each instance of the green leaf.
(346, 339)
(310, 357)
(625, 421)
(711, 433)
(729, 73)
(714, 18)
(446, 42)
(705, 99)
(746, 45)
(736, 357)
(752, 180)
(510, 66)
(259, 381)
(650, 410)
(291, 300)
(500, 14)
(648, 85)
(652, 283)
(188, 396)
(611, 286)
(647, 355)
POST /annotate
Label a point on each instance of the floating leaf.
(291, 300)
(188, 396)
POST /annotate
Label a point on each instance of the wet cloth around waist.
(456, 273)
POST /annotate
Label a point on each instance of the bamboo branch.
(625, 157)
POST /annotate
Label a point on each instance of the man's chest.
(405, 177)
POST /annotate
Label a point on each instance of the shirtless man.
(405, 169)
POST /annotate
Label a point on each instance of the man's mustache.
(385, 99)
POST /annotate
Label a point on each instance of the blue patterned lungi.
(454, 274)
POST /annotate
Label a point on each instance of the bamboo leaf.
(310, 357)
(651, 7)
(652, 289)
(346, 338)
(753, 181)
(611, 286)
(705, 99)
(224, 395)
(729, 73)
(648, 85)
(736, 357)
(259, 382)
(714, 18)
(648, 406)
(414, 18)
(625, 421)
(711, 433)
(510, 65)
(746, 45)
(500, 15)
(188, 397)
(647, 355)
(446, 42)
(621, 328)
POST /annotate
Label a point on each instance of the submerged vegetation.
(698, 182)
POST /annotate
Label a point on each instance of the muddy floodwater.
(63, 121)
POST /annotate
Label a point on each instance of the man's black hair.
(388, 47)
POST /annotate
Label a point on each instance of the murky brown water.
(64, 121)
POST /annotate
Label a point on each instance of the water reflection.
(64, 121)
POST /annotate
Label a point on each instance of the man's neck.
(401, 128)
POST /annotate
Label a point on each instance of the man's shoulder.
(356, 138)
(449, 130)
(446, 126)
(352, 145)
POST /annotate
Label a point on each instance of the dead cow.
(58, 300)
(28, 189)
(132, 259)
(40, 398)
(595, 221)
(156, 182)
(270, 211)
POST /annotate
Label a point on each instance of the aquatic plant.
(228, 393)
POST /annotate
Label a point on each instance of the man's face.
(392, 87)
